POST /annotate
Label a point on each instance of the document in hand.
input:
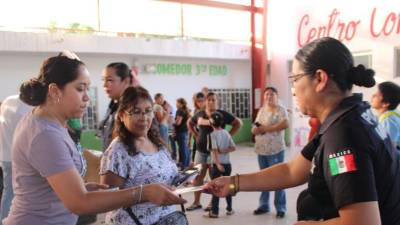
(180, 191)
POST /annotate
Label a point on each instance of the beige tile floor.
(243, 160)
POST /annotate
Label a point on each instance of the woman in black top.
(355, 171)
(181, 132)
(116, 77)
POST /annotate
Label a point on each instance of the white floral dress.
(142, 168)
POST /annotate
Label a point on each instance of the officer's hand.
(221, 168)
(218, 187)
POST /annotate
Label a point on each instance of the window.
(236, 101)
(397, 62)
(364, 58)
(50, 14)
(216, 23)
(90, 118)
(141, 17)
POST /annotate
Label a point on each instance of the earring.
(58, 100)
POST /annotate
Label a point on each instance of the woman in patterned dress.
(137, 156)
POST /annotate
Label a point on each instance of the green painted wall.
(90, 141)
(244, 134)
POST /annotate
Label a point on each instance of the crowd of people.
(351, 163)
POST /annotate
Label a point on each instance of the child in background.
(221, 145)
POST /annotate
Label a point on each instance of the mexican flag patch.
(341, 162)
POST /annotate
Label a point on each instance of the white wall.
(21, 55)
(284, 22)
(284, 32)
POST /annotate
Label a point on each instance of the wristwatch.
(232, 186)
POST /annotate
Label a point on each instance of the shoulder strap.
(137, 221)
(133, 216)
(388, 114)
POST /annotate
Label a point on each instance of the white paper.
(188, 190)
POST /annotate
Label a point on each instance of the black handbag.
(174, 218)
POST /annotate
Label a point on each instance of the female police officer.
(356, 174)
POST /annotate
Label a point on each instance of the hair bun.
(361, 76)
(33, 92)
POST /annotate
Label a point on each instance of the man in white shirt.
(12, 110)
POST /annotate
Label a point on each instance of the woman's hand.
(218, 187)
(220, 168)
(161, 194)
(256, 130)
(92, 186)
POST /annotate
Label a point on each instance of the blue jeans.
(265, 161)
(172, 144)
(8, 193)
(164, 133)
(184, 153)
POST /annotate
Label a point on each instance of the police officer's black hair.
(59, 70)
(217, 119)
(336, 60)
(272, 89)
(390, 93)
(121, 70)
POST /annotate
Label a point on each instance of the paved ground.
(243, 160)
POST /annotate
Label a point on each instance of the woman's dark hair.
(210, 94)
(121, 70)
(336, 60)
(195, 97)
(59, 70)
(390, 93)
(129, 98)
(199, 95)
(270, 88)
(185, 108)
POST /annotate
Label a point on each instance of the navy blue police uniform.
(354, 162)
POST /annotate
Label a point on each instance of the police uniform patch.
(341, 162)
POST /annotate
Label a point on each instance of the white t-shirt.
(12, 111)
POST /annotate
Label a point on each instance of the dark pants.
(172, 143)
(215, 200)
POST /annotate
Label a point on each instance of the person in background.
(12, 111)
(199, 104)
(355, 170)
(46, 166)
(205, 91)
(201, 120)
(269, 126)
(162, 114)
(116, 78)
(385, 101)
(222, 144)
(137, 156)
(314, 125)
(181, 132)
(74, 127)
